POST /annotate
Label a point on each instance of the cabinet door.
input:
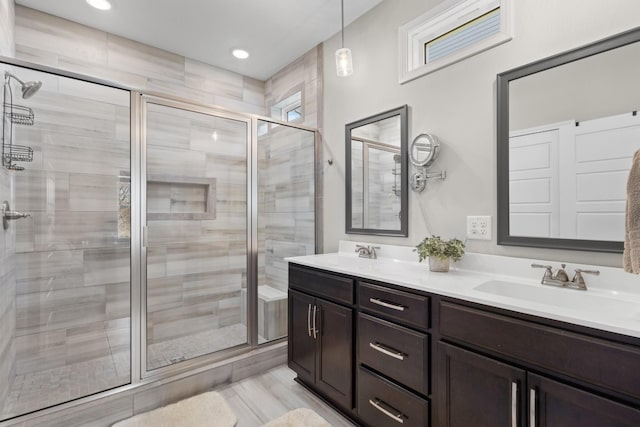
(479, 391)
(334, 369)
(553, 404)
(302, 345)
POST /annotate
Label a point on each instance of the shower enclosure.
(155, 240)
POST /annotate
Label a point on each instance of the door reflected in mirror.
(376, 184)
(567, 131)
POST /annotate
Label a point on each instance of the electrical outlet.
(479, 227)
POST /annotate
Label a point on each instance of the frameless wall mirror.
(376, 175)
(567, 131)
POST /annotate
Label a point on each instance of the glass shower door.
(286, 216)
(196, 238)
(65, 285)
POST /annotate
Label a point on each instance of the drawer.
(400, 306)
(383, 404)
(321, 284)
(596, 361)
(394, 351)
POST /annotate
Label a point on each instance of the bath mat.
(204, 410)
(301, 417)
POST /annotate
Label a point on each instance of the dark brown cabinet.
(554, 404)
(480, 391)
(393, 357)
(321, 345)
(404, 357)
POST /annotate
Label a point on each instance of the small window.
(451, 32)
(294, 113)
(289, 109)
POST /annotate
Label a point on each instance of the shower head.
(28, 88)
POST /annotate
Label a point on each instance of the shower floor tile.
(187, 347)
(37, 390)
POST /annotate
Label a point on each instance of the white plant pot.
(438, 264)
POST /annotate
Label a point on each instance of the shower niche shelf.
(181, 198)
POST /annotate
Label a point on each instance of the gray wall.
(457, 104)
(7, 238)
(594, 87)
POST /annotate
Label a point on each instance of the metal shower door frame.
(251, 244)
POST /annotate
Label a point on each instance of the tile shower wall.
(7, 28)
(7, 294)
(304, 74)
(286, 199)
(196, 216)
(286, 194)
(49, 40)
(7, 238)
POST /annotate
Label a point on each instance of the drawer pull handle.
(377, 403)
(387, 305)
(514, 404)
(309, 320)
(389, 352)
(532, 407)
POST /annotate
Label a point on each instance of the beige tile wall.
(286, 167)
(72, 269)
(7, 238)
(197, 260)
(49, 40)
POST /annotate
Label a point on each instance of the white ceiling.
(275, 32)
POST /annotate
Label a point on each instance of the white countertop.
(612, 302)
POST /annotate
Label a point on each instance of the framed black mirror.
(377, 196)
(567, 129)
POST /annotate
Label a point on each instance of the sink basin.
(558, 297)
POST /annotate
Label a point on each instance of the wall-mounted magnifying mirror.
(424, 150)
(422, 153)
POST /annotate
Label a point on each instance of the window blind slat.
(460, 38)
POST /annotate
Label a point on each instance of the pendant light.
(344, 64)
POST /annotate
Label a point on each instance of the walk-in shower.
(156, 235)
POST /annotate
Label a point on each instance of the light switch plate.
(479, 227)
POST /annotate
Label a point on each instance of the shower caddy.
(14, 114)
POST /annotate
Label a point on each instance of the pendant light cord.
(342, 23)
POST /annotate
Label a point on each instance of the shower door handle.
(144, 236)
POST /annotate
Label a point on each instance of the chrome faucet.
(561, 278)
(367, 251)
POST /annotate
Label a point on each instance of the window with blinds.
(451, 32)
(463, 36)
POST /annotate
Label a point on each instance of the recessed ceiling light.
(240, 53)
(100, 4)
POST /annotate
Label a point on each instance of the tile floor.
(262, 398)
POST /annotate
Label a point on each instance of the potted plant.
(440, 252)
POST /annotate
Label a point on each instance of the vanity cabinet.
(480, 391)
(507, 374)
(392, 356)
(386, 355)
(320, 347)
